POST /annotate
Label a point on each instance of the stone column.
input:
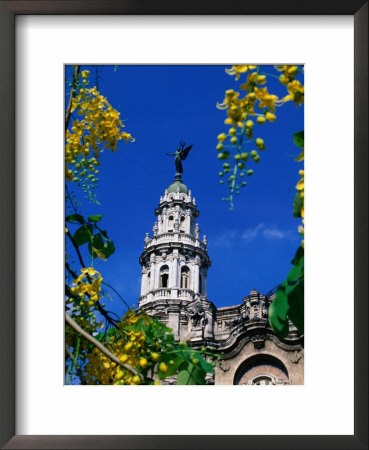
(173, 320)
(196, 274)
(143, 283)
(175, 269)
(153, 274)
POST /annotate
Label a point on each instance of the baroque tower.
(175, 259)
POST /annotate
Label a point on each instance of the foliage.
(289, 299)
(97, 128)
(147, 345)
(257, 103)
(247, 113)
(141, 349)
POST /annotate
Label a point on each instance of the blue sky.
(251, 246)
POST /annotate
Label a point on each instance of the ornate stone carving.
(197, 231)
(258, 340)
(197, 316)
(296, 358)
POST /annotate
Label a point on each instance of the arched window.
(185, 277)
(148, 281)
(182, 229)
(262, 370)
(200, 284)
(170, 223)
(164, 276)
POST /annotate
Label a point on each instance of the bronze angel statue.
(180, 155)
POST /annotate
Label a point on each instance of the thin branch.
(76, 248)
(79, 370)
(72, 95)
(114, 290)
(98, 344)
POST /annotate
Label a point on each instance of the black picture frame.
(8, 11)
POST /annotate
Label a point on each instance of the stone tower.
(175, 260)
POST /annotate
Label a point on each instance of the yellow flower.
(163, 367)
(123, 358)
(155, 356)
(237, 70)
(260, 143)
(119, 375)
(296, 92)
(270, 116)
(266, 100)
(222, 137)
(85, 73)
(143, 362)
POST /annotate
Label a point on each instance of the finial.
(155, 228)
(197, 231)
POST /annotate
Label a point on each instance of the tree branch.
(79, 370)
(98, 344)
(72, 95)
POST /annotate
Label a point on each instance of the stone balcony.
(184, 238)
(167, 293)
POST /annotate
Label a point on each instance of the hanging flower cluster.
(130, 347)
(255, 106)
(98, 127)
(83, 295)
(89, 282)
(294, 87)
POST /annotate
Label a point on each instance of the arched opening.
(185, 277)
(261, 370)
(182, 224)
(148, 285)
(200, 284)
(164, 276)
(170, 224)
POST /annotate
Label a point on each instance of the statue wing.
(185, 152)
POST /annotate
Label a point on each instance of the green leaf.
(192, 374)
(173, 361)
(72, 218)
(296, 207)
(278, 311)
(99, 248)
(95, 218)
(296, 302)
(298, 139)
(83, 235)
(294, 274)
(299, 254)
(206, 366)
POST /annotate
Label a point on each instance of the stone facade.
(173, 289)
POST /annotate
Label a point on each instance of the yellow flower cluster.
(89, 282)
(294, 87)
(258, 103)
(238, 69)
(85, 292)
(130, 347)
(99, 127)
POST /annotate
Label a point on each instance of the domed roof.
(177, 184)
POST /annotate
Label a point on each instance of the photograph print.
(184, 225)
